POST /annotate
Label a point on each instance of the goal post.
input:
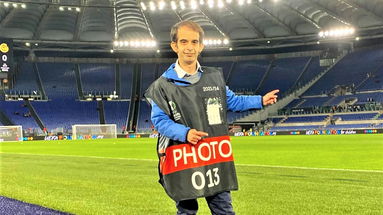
(11, 133)
(94, 131)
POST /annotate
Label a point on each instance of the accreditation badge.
(214, 110)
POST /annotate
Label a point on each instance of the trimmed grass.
(65, 175)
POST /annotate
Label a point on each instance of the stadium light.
(143, 6)
(189, 4)
(161, 5)
(210, 3)
(220, 4)
(173, 5)
(182, 5)
(193, 4)
(125, 44)
(216, 42)
(337, 32)
(14, 4)
(63, 8)
(152, 6)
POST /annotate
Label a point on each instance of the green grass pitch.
(277, 175)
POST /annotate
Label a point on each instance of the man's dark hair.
(193, 25)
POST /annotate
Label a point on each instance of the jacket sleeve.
(166, 126)
(242, 103)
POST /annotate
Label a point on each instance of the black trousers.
(219, 204)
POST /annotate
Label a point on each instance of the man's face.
(188, 45)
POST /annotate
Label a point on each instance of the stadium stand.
(355, 116)
(98, 78)
(116, 112)
(277, 120)
(307, 119)
(144, 123)
(64, 112)
(59, 82)
(233, 116)
(313, 70)
(126, 71)
(349, 71)
(67, 62)
(226, 66)
(25, 78)
(277, 77)
(312, 102)
(18, 113)
(351, 126)
(291, 128)
(147, 76)
(248, 74)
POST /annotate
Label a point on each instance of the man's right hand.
(194, 136)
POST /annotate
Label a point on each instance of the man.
(189, 105)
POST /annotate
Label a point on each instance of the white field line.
(237, 164)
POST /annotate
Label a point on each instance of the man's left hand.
(270, 98)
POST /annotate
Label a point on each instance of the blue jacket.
(167, 127)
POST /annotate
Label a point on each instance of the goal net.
(11, 133)
(94, 131)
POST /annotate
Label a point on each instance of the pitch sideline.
(237, 164)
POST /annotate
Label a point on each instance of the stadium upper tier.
(91, 74)
(360, 98)
(350, 117)
(26, 80)
(58, 80)
(356, 70)
(305, 119)
(355, 120)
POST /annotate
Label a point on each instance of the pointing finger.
(274, 92)
(201, 134)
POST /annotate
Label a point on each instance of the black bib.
(190, 171)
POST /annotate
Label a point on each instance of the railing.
(15, 95)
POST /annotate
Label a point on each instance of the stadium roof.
(129, 25)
